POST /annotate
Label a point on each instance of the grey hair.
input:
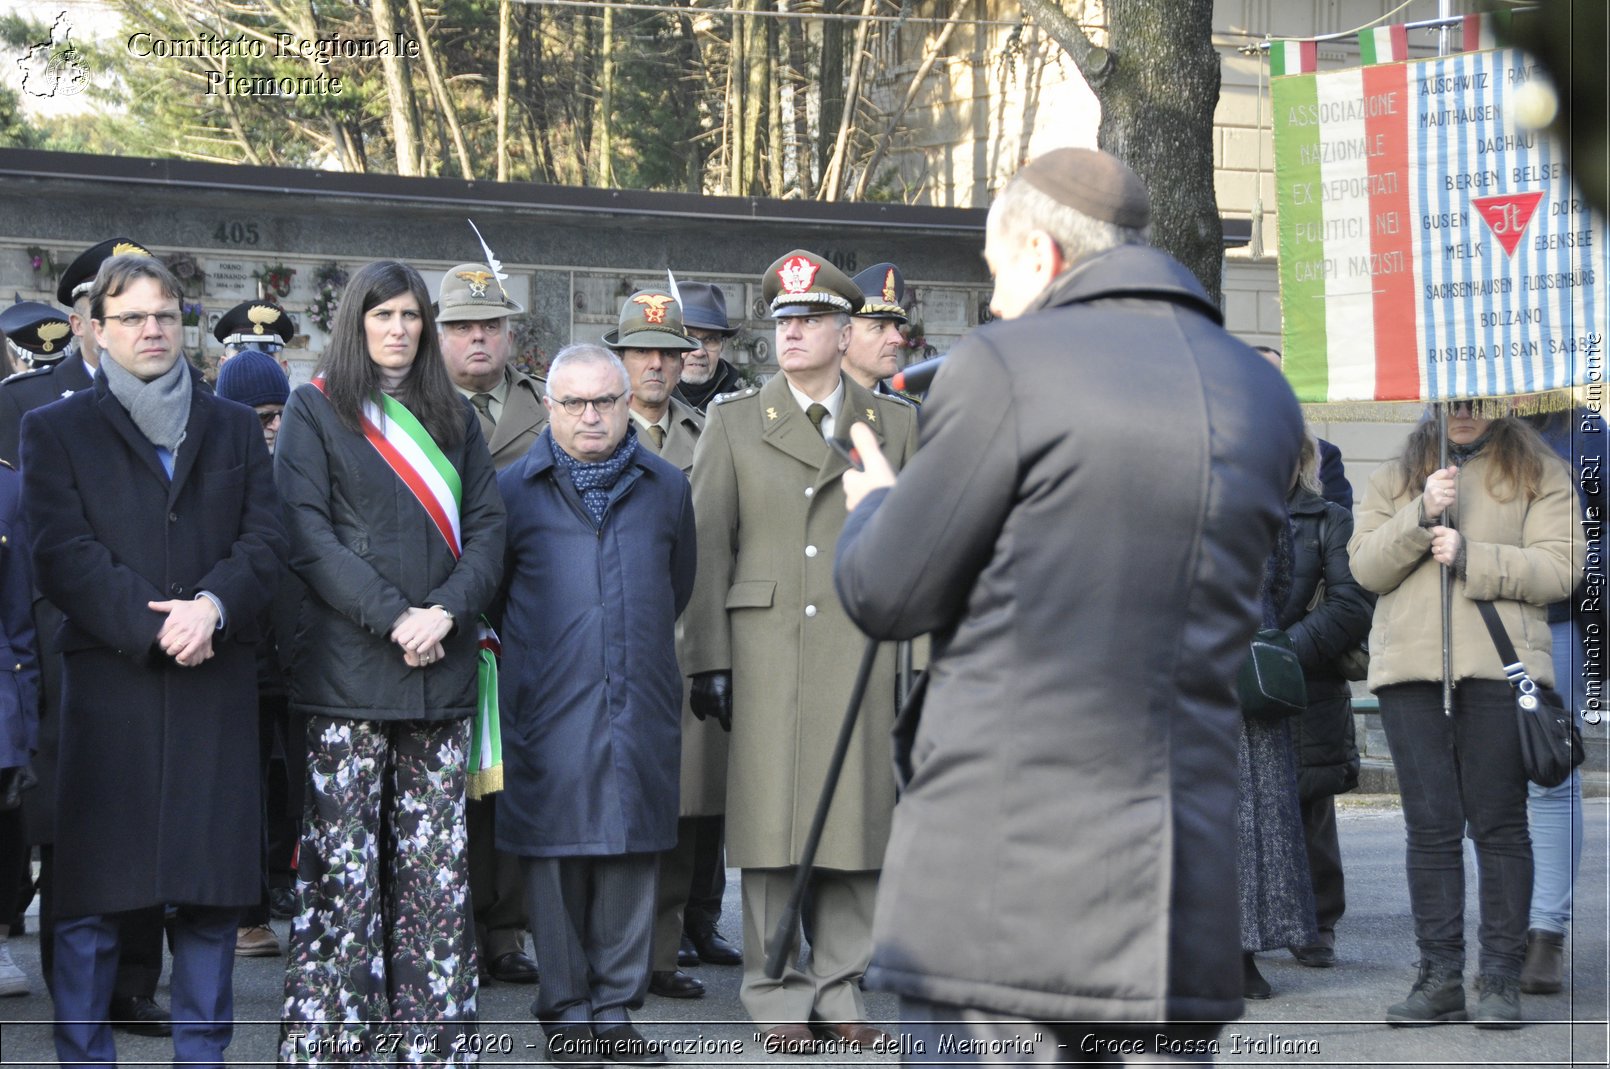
(1308, 463)
(1020, 208)
(581, 354)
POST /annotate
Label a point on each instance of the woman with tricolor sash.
(396, 529)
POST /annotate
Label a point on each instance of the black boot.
(1544, 971)
(1438, 995)
(1253, 985)
(1498, 1002)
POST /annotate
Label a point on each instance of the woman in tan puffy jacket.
(1502, 516)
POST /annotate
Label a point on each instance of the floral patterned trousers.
(382, 968)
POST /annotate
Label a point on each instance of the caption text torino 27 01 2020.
(282, 46)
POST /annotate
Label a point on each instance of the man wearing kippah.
(1084, 534)
(772, 655)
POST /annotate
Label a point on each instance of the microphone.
(919, 376)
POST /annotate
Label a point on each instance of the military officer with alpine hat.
(770, 649)
(472, 316)
(875, 337)
(134, 1007)
(260, 325)
(39, 334)
(706, 374)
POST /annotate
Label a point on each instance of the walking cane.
(789, 924)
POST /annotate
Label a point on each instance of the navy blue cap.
(37, 327)
(253, 378)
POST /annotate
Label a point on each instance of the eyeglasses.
(575, 406)
(707, 341)
(269, 418)
(136, 320)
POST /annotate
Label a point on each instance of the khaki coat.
(1520, 555)
(769, 504)
(704, 744)
(520, 423)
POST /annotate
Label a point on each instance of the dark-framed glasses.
(575, 406)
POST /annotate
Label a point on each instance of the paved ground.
(1317, 1017)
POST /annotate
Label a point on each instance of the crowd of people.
(427, 654)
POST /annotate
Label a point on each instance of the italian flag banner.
(1384, 44)
(1428, 247)
(1293, 57)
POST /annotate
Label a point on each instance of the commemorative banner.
(1430, 247)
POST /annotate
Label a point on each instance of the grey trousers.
(591, 922)
(828, 989)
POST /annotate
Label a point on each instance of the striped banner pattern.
(1384, 44)
(1427, 249)
(1293, 57)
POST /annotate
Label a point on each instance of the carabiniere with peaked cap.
(650, 319)
(37, 329)
(80, 274)
(803, 284)
(255, 324)
(885, 290)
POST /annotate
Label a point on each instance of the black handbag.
(1551, 742)
(1270, 684)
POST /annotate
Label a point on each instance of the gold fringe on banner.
(1526, 404)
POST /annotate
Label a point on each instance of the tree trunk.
(399, 93)
(774, 114)
(833, 176)
(603, 117)
(830, 83)
(757, 79)
(794, 71)
(1158, 86)
(438, 88)
(503, 90)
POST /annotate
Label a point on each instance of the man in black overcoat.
(151, 508)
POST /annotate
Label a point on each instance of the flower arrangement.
(276, 280)
(328, 282)
(190, 313)
(42, 261)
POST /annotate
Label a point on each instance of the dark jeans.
(1453, 773)
(1325, 865)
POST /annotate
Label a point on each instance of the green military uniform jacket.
(769, 503)
(520, 423)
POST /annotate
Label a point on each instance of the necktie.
(816, 414)
(483, 405)
(657, 433)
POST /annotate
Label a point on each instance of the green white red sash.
(415, 458)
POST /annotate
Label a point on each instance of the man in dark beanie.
(1083, 530)
(252, 377)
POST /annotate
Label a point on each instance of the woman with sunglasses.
(396, 529)
(1501, 517)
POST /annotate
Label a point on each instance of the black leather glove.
(712, 697)
(13, 781)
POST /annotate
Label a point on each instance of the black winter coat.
(367, 551)
(157, 796)
(1326, 746)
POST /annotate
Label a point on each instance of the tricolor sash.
(415, 458)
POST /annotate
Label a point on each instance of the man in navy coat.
(600, 562)
(152, 514)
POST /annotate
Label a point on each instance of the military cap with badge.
(650, 319)
(470, 291)
(885, 290)
(79, 277)
(802, 283)
(38, 332)
(260, 325)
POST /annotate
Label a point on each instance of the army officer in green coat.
(767, 644)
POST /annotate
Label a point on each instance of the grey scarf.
(160, 408)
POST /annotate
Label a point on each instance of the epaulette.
(908, 402)
(26, 374)
(723, 398)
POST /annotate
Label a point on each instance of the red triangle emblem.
(1507, 216)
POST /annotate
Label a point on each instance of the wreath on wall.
(276, 280)
(328, 282)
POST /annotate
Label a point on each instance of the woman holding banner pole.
(1501, 517)
(396, 529)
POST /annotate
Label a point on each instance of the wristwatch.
(445, 611)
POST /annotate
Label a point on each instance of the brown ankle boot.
(1544, 970)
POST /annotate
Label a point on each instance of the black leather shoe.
(676, 984)
(686, 955)
(140, 1016)
(573, 1044)
(514, 967)
(626, 1045)
(1253, 985)
(1315, 957)
(713, 947)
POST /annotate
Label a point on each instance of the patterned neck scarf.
(594, 481)
(1460, 454)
